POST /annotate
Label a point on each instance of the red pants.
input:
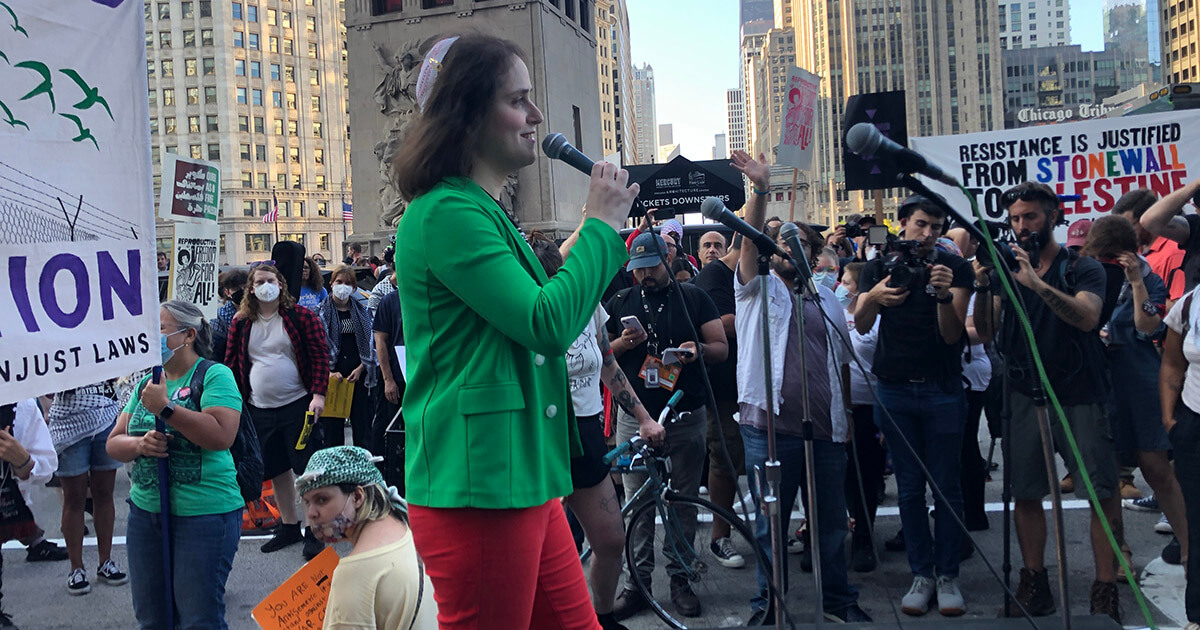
(503, 569)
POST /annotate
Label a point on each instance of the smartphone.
(632, 322)
(672, 355)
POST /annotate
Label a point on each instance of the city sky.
(694, 49)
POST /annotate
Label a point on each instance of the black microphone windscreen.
(553, 145)
(711, 208)
(863, 139)
(789, 230)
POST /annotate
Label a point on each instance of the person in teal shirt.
(489, 422)
(206, 503)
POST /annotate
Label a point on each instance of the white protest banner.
(796, 143)
(77, 256)
(194, 266)
(191, 189)
(1098, 160)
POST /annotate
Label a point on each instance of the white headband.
(430, 68)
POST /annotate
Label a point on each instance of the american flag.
(347, 212)
(273, 215)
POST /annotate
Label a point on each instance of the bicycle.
(725, 592)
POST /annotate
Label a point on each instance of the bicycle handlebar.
(636, 443)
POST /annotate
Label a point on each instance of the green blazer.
(487, 406)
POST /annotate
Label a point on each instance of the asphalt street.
(35, 593)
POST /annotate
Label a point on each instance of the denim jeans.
(202, 552)
(1185, 440)
(932, 421)
(831, 509)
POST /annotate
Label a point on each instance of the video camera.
(905, 265)
(854, 230)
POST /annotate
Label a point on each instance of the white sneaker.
(950, 599)
(1163, 526)
(916, 601)
(722, 549)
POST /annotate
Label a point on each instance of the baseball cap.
(643, 254)
(1077, 233)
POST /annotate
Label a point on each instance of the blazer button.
(551, 411)
(538, 360)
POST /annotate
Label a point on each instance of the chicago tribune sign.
(1034, 115)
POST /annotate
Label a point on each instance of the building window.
(285, 19)
(214, 152)
(281, 180)
(294, 154)
(288, 49)
(275, 74)
(278, 154)
(292, 128)
(206, 37)
(251, 13)
(273, 44)
(283, 209)
(310, 23)
(291, 101)
(154, 128)
(239, 39)
(211, 122)
(289, 74)
(193, 96)
(239, 67)
(244, 150)
(258, 125)
(277, 124)
(164, 39)
(316, 130)
(298, 209)
(262, 180)
(276, 99)
(320, 182)
(297, 238)
(256, 97)
(164, 10)
(243, 123)
(433, 4)
(194, 126)
(189, 67)
(210, 94)
(322, 209)
(247, 211)
(189, 39)
(324, 241)
(194, 150)
(271, 17)
(260, 152)
(168, 96)
(255, 70)
(237, 10)
(205, 8)
(380, 7)
(253, 41)
(318, 156)
(241, 96)
(168, 68)
(314, 76)
(246, 181)
(258, 242)
(312, 50)
(295, 181)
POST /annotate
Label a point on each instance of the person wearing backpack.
(206, 500)
(1065, 298)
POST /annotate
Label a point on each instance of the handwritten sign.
(796, 137)
(194, 265)
(300, 601)
(191, 189)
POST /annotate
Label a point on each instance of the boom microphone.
(714, 209)
(556, 147)
(791, 235)
(864, 139)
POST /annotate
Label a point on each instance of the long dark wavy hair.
(442, 140)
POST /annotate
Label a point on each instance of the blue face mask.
(843, 295)
(167, 352)
(827, 278)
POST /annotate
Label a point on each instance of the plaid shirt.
(307, 333)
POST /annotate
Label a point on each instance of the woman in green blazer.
(489, 421)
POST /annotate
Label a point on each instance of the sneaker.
(916, 601)
(684, 597)
(6, 621)
(1067, 485)
(1163, 526)
(795, 546)
(1173, 553)
(77, 583)
(895, 543)
(1105, 600)
(45, 551)
(723, 549)
(285, 536)
(312, 546)
(1033, 591)
(862, 555)
(1144, 504)
(950, 599)
(628, 604)
(849, 614)
(110, 574)
(1129, 492)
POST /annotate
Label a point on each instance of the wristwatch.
(946, 300)
(167, 411)
(983, 287)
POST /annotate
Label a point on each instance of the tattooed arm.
(623, 394)
(1171, 376)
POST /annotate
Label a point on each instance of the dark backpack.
(246, 450)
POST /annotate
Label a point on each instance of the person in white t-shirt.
(594, 502)
(1179, 392)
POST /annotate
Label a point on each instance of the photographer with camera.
(1063, 294)
(921, 297)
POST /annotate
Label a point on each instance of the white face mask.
(342, 291)
(267, 292)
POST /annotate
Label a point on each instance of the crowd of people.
(514, 386)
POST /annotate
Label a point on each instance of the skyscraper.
(751, 10)
(261, 90)
(615, 72)
(735, 126)
(1125, 26)
(644, 118)
(945, 56)
(1034, 23)
(1180, 62)
(720, 150)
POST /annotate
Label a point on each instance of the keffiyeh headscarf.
(346, 464)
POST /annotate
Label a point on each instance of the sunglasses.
(1029, 194)
(260, 263)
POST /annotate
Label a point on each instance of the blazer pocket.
(490, 398)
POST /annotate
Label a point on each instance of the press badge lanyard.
(652, 346)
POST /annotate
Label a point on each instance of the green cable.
(1062, 418)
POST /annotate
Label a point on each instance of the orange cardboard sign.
(300, 601)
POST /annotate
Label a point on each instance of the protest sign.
(194, 265)
(191, 189)
(1098, 160)
(76, 207)
(300, 601)
(796, 141)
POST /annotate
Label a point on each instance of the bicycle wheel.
(666, 555)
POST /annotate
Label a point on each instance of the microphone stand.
(803, 275)
(773, 475)
(1043, 420)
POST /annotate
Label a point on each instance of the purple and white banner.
(79, 296)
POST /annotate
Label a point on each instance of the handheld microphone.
(790, 234)
(864, 139)
(713, 208)
(556, 147)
